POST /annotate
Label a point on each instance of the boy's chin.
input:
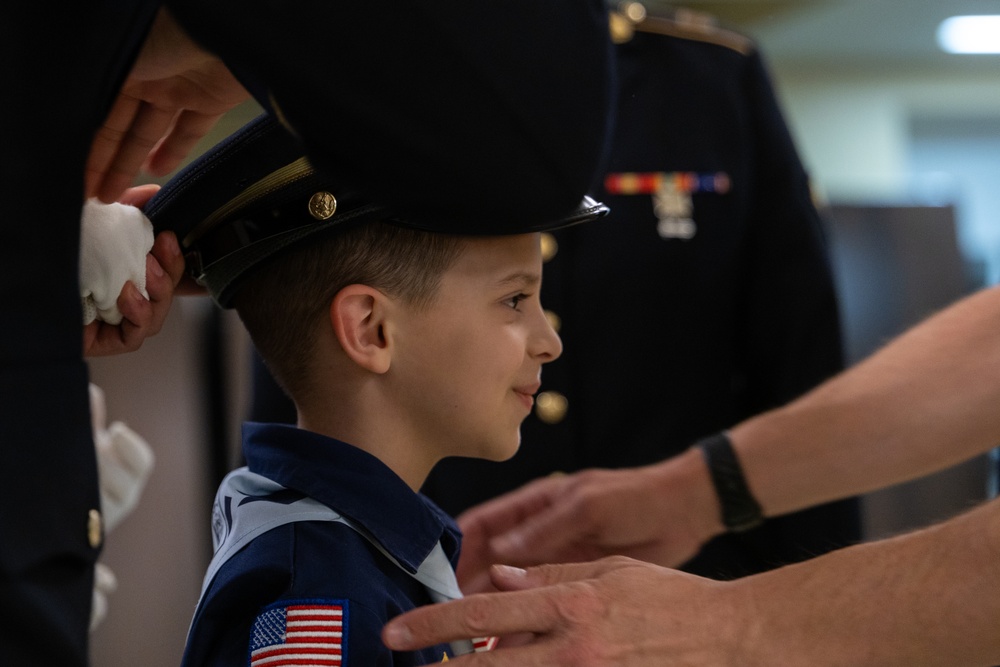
(502, 452)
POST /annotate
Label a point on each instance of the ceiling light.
(970, 34)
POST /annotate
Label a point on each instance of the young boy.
(400, 346)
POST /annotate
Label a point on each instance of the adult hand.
(661, 513)
(173, 96)
(615, 611)
(141, 318)
(922, 598)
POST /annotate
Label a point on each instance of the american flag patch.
(300, 635)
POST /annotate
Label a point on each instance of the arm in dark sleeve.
(791, 308)
(792, 317)
(489, 108)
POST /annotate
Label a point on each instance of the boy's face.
(469, 364)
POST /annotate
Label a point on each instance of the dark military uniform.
(60, 69)
(705, 296)
(406, 101)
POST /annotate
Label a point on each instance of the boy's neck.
(409, 459)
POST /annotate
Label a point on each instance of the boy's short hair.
(283, 305)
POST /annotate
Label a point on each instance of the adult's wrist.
(739, 510)
(686, 481)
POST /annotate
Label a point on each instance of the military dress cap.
(399, 99)
(255, 194)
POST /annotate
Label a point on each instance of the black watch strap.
(740, 510)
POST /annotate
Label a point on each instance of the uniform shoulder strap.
(687, 24)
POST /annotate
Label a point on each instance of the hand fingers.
(107, 141)
(476, 581)
(98, 408)
(141, 317)
(90, 338)
(188, 129)
(537, 653)
(160, 288)
(101, 338)
(507, 578)
(148, 125)
(164, 269)
(167, 253)
(550, 535)
(137, 316)
(498, 521)
(505, 512)
(486, 615)
(139, 195)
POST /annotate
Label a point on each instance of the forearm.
(926, 401)
(927, 598)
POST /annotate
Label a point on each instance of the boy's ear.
(357, 314)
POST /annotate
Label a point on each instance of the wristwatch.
(740, 510)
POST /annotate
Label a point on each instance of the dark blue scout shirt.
(324, 564)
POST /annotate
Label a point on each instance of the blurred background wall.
(903, 144)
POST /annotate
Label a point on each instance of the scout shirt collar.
(356, 484)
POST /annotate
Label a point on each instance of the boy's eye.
(513, 301)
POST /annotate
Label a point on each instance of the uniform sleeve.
(492, 109)
(793, 334)
(791, 310)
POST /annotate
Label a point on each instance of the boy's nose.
(548, 345)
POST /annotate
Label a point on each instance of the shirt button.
(551, 407)
(549, 246)
(95, 529)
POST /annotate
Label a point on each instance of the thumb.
(138, 196)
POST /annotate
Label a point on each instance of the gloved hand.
(105, 584)
(124, 463)
(114, 241)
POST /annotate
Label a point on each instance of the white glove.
(105, 584)
(114, 242)
(124, 463)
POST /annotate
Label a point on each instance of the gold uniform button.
(554, 320)
(95, 529)
(621, 28)
(549, 246)
(624, 20)
(551, 407)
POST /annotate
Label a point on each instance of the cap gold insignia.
(322, 205)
